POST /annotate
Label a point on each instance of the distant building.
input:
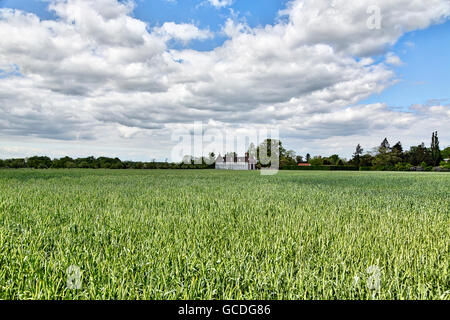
(304, 164)
(236, 163)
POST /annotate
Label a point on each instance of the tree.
(70, 165)
(384, 147)
(397, 153)
(265, 150)
(445, 154)
(290, 154)
(366, 160)
(334, 159)
(398, 148)
(308, 157)
(435, 151)
(386, 157)
(419, 154)
(299, 159)
(357, 155)
(83, 164)
(316, 161)
(252, 152)
(39, 162)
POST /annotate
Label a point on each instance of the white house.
(236, 163)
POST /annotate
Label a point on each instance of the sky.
(125, 78)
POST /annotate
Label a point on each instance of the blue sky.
(108, 85)
(425, 74)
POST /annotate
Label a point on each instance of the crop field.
(205, 234)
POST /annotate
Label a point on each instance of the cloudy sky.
(117, 78)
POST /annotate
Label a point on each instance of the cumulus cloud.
(348, 27)
(220, 3)
(98, 74)
(394, 60)
(184, 32)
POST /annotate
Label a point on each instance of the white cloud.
(98, 74)
(394, 60)
(344, 25)
(184, 32)
(220, 3)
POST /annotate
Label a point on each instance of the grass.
(224, 235)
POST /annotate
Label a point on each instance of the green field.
(224, 235)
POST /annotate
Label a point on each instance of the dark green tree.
(356, 160)
(386, 158)
(445, 154)
(418, 155)
(435, 151)
(384, 147)
(265, 150)
(334, 159)
(308, 157)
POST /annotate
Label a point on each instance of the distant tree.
(435, 151)
(299, 159)
(265, 150)
(357, 155)
(290, 154)
(397, 153)
(445, 154)
(419, 154)
(308, 157)
(70, 165)
(117, 165)
(39, 162)
(289, 159)
(398, 148)
(384, 147)
(252, 151)
(366, 160)
(333, 159)
(18, 163)
(316, 161)
(386, 158)
(83, 164)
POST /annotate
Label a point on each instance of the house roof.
(245, 159)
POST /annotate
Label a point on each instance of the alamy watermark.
(373, 281)
(73, 278)
(374, 20)
(247, 149)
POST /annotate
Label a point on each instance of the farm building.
(236, 163)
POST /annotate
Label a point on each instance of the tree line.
(383, 157)
(391, 158)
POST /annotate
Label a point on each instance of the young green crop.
(223, 235)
